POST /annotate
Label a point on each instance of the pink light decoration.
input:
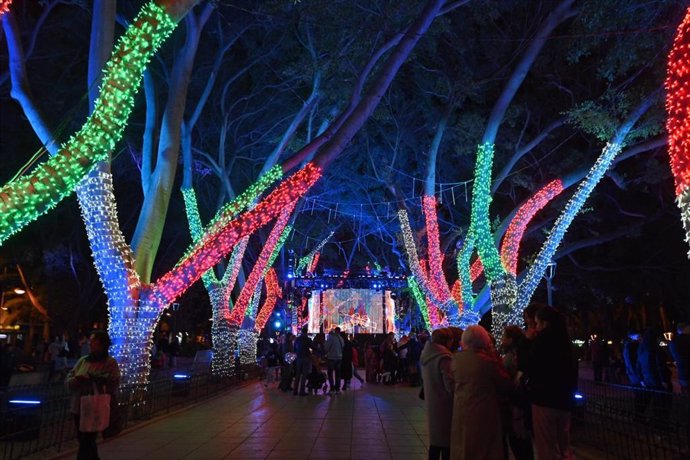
(314, 262)
(171, 285)
(4, 6)
(456, 292)
(237, 315)
(437, 282)
(476, 269)
(273, 292)
(678, 106)
(300, 316)
(510, 246)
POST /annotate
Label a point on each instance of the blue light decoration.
(277, 324)
(28, 402)
(182, 376)
(548, 250)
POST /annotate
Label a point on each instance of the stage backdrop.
(358, 311)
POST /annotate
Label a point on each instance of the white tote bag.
(94, 411)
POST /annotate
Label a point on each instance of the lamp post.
(550, 273)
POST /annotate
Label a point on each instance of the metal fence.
(623, 422)
(35, 419)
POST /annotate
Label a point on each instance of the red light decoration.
(4, 6)
(435, 277)
(314, 262)
(510, 246)
(678, 105)
(678, 121)
(301, 319)
(273, 292)
(476, 269)
(257, 273)
(171, 285)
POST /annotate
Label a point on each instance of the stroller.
(317, 379)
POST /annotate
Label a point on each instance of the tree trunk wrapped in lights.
(678, 121)
(25, 199)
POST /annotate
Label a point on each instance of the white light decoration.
(224, 336)
(247, 341)
(548, 250)
(503, 296)
(307, 260)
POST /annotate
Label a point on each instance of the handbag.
(94, 411)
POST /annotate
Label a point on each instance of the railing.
(624, 422)
(36, 420)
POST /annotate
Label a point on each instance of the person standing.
(97, 368)
(438, 392)
(552, 380)
(480, 382)
(334, 354)
(680, 349)
(303, 347)
(355, 363)
(346, 363)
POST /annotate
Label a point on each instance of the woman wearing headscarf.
(480, 382)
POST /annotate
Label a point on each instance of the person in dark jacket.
(552, 380)
(656, 376)
(632, 370)
(346, 363)
(680, 349)
(438, 392)
(303, 349)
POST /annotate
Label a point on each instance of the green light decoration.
(419, 298)
(480, 224)
(305, 261)
(464, 274)
(25, 199)
(229, 211)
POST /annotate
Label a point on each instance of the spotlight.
(19, 291)
(277, 324)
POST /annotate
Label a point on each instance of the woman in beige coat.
(480, 382)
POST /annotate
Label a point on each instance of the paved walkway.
(374, 422)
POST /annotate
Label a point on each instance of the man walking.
(334, 354)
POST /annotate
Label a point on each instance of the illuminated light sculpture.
(305, 261)
(548, 250)
(4, 6)
(25, 199)
(257, 273)
(437, 281)
(677, 86)
(419, 298)
(510, 246)
(212, 248)
(273, 293)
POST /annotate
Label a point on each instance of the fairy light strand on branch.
(257, 272)
(28, 197)
(677, 86)
(306, 260)
(437, 281)
(212, 248)
(510, 246)
(4, 7)
(538, 268)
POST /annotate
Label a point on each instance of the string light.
(510, 246)
(261, 265)
(223, 335)
(247, 343)
(4, 6)
(231, 209)
(677, 86)
(314, 263)
(28, 197)
(538, 268)
(173, 283)
(437, 282)
(305, 261)
(419, 298)
(273, 292)
(480, 221)
(503, 296)
(464, 274)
